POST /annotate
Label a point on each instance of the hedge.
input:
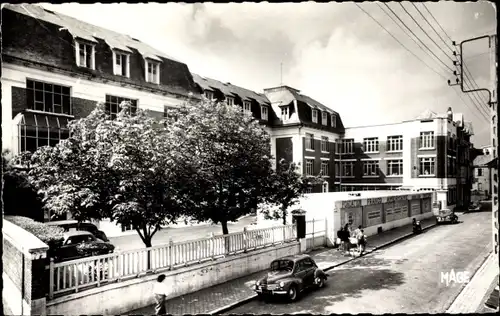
(50, 235)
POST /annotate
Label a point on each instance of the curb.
(254, 296)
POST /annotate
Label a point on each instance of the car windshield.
(282, 265)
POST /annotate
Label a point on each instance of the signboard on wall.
(351, 204)
(415, 207)
(372, 214)
(400, 210)
(352, 216)
(397, 198)
(374, 201)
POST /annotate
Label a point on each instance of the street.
(404, 278)
(179, 234)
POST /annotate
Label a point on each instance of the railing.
(77, 275)
(315, 233)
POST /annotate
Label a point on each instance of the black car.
(80, 244)
(70, 224)
(290, 276)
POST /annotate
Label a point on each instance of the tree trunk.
(225, 231)
(283, 212)
(147, 242)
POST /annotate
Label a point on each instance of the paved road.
(404, 278)
(179, 234)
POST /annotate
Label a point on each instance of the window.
(126, 227)
(324, 118)
(309, 141)
(37, 130)
(284, 113)
(152, 72)
(370, 168)
(427, 140)
(229, 101)
(427, 166)
(247, 107)
(347, 168)
(348, 146)
(85, 55)
(324, 187)
(308, 190)
(370, 145)
(480, 186)
(47, 97)
(324, 144)
(263, 112)
(315, 116)
(209, 95)
(324, 168)
(395, 167)
(395, 143)
(479, 172)
(121, 64)
(309, 167)
(333, 118)
(113, 105)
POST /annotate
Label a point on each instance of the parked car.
(71, 224)
(474, 207)
(290, 276)
(80, 244)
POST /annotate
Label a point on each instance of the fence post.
(51, 280)
(245, 239)
(284, 233)
(119, 267)
(170, 252)
(212, 245)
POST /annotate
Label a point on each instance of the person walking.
(347, 235)
(340, 239)
(361, 242)
(160, 291)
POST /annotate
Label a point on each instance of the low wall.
(120, 298)
(24, 284)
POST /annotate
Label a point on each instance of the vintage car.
(290, 276)
(446, 215)
(474, 207)
(71, 224)
(80, 244)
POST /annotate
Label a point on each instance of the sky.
(332, 52)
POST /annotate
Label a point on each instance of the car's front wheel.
(292, 293)
(320, 282)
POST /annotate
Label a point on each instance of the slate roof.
(88, 31)
(229, 89)
(287, 94)
(482, 160)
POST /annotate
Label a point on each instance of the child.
(361, 242)
(160, 291)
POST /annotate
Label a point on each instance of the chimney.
(450, 114)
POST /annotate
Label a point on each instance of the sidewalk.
(471, 297)
(222, 297)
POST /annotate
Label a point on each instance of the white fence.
(77, 275)
(315, 233)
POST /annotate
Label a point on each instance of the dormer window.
(334, 120)
(247, 107)
(152, 71)
(315, 116)
(209, 95)
(85, 55)
(324, 118)
(263, 112)
(121, 64)
(229, 101)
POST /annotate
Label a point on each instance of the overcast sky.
(332, 52)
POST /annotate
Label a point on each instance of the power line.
(411, 52)
(408, 13)
(395, 38)
(467, 72)
(409, 29)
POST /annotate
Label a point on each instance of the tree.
(286, 186)
(18, 195)
(230, 158)
(126, 169)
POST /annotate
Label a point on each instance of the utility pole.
(493, 109)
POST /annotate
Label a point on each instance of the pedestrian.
(347, 235)
(160, 291)
(361, 242)
(340, 239)
(357, 231)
